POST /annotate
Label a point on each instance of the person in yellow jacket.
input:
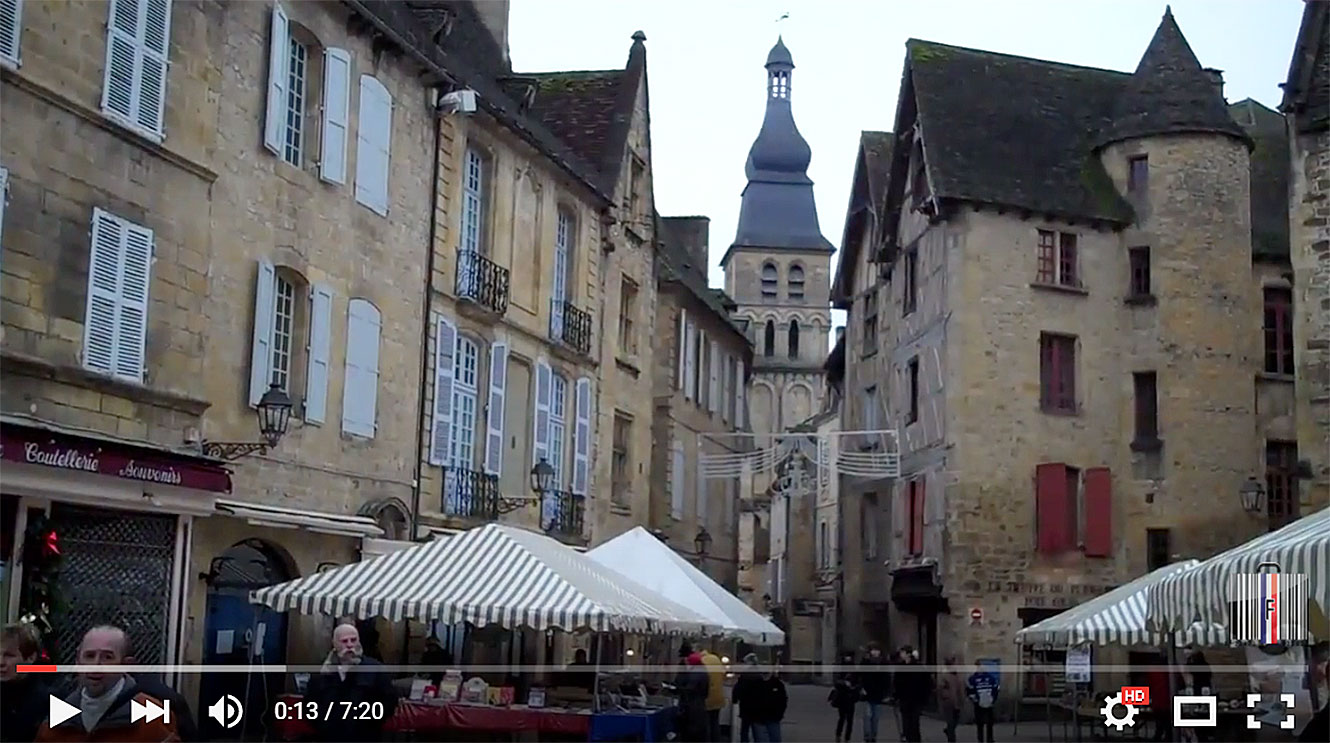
(715, 693)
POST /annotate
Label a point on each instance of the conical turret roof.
(1169, 94)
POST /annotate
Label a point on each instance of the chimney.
(1217, 80)
(693, 236)
(494, 14)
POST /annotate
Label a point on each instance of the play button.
(60, 710)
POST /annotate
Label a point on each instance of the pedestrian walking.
(982, 687)
(23, 703)
(106, 698)
(350, 677)
(844, 697)
(746, 695)
(913, 689)
(691, 685)
(715, 693)
(770, 700)
(950, 697)
(874, 679)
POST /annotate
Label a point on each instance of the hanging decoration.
(41, 561)
(867, 454)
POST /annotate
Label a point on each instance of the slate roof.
(1307, 91)
(1169, 94)
(876, 148)
(872, 175)
(1270, 167)
(676, 266)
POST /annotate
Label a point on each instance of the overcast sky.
(704, 62)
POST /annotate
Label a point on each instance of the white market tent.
(1204, 593)
(1118, 618)
(493, 574)
(639, 556)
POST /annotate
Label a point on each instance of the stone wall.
(1309, 231)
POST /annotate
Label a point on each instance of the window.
(1139, 280)
(915, 538)
(1281, 482)
(1147, 408)
(870, 409)
(115, 325)
(870, 321)
(1278, 331)
(1057, 259)
(1057, 372)
(563, 248)
(780, 84)
(360, 389)
(770, 280)
(868, 525)
(558, 428)
(466, 381)
(134, 76)
(637, 186)
(909, 285)
(796, 282)
(292, 334)
(769, 339)
(297, 60)
(620, 466)
(11, 28)
(473, 202)
(794, 339)
(283, 333)
(627, 311)
(913, 372)
(677, 481)
(1158, 548)
(1138, 174)
(374, 145)
(823, 545)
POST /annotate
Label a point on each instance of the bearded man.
(355, 688)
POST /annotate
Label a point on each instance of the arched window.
(769, 339)
(794, 339)
(796, 281)
(770, 279)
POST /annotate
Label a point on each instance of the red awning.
(128, 460)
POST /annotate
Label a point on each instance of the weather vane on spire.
(783, 16)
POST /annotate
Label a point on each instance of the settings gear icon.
(1111, 720)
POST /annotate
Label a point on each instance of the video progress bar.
(1006, 668)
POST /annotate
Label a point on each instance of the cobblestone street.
(810, 719)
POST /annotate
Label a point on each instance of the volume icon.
(227, 711)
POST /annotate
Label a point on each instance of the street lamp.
(542, 477)
(702, 542)
(1253, 494)
(274, 414)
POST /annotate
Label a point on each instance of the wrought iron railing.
(562, 513)
(482, 281)
(570, 325)
(470, 494)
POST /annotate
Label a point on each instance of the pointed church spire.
(1169, 93)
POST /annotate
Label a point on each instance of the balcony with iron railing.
(470, 494)
(562, 514)
(570, 326)
(482, 282)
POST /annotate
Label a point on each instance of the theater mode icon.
(149, 711)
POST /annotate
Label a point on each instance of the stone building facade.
(778, 269)
(1115, 403)
(701, 359)
(1306, 105)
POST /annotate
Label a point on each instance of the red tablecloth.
(420, 717)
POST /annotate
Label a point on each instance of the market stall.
(492, 575)
(1116, 618)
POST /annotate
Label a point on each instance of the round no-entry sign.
(976, 614)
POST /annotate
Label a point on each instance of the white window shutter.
(740, 394)
(703, 503)
(319, 349)
(691, 355)
(361, 386)
(713, 398)
(119, 81)
(676, 482)
(445, 351)
(11, 29)
(154, 47)
(681, 331)
(99, 323)
(265, 307)
(336, 114)
(726, 380)
(494, 416)
(135, 280)
(279, 54)
(540, 437)
(373, 144)
(582, 438)
(4, 197)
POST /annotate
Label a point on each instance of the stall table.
(645, 725)
(419, 717)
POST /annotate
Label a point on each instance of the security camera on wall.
(458, 102)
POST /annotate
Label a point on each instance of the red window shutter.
(1098, 512)
(917, 517)
(1050, 494)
